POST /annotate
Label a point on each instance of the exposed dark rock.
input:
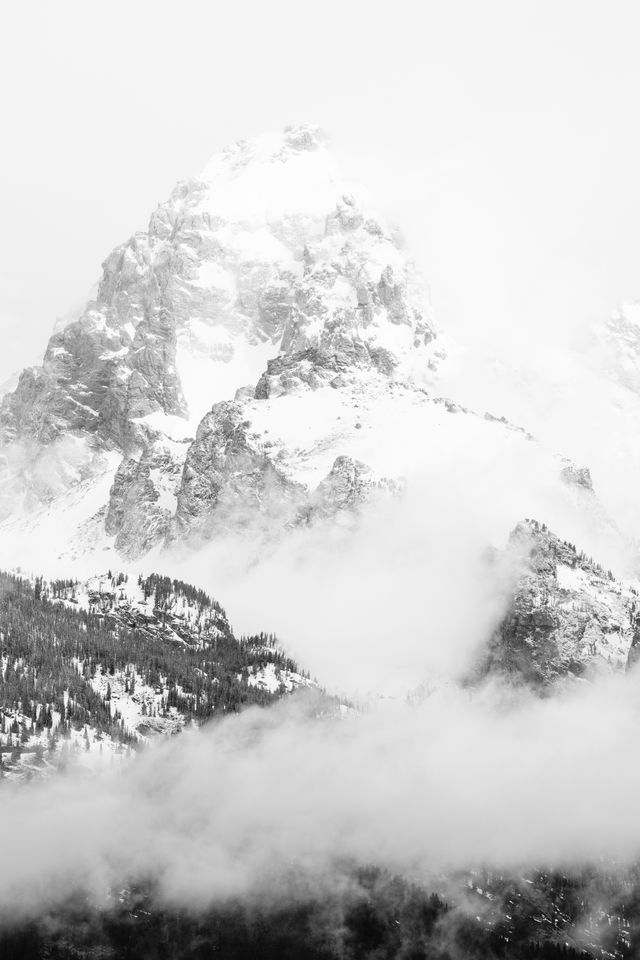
(136, 515)
(567, 617)
(347, 485)
(201, 283)
(228, 480)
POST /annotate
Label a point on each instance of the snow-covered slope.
(262, 357)
(268, 253)
(90, 671)
(578, 394)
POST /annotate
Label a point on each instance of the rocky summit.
(260, 364)
(266, 276)
(260, 358)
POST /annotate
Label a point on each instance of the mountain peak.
(273, 177)
(255, 360)
(568, 618)
(269, 274)
(268, 148)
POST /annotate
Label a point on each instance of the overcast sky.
(502, 136)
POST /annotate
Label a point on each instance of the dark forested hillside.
(86, 666)
(103, 666)
(374, 916)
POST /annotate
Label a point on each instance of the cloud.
(459, 780)
(403, 595)
(374, 605)
(400, 600)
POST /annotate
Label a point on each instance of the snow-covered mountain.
(260, 358)
(262, 364)
(268, 256)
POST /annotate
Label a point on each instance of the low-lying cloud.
(447, 779)
(460, 779)
(404, 594)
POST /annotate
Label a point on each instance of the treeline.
(51, 652)
(577, 557)
(163, 588)
(373, 916)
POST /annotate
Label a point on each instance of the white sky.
(502, 136)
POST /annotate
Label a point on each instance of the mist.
(460, 780)
(388, 609)
(370, 606)
(501, 139)
(402, 593)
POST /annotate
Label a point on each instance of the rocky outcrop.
(142, 500)
(358, 302)
(96, 378)
(267, 279)
(268, 252)
(229, 481)
(567, 617)
(346, 486)
(309, 369)
(349, 484)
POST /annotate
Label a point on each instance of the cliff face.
(264, 277)
(266, 248)
(258, 358)
(568, 616)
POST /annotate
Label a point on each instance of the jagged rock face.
(348, 484)
(310, 369)
(142, 500)
(228, 480)
(264, 248)
(345, 486)
(568, 617)
(266, 260)
(267, 279)
(357, 302)
(96, 377)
